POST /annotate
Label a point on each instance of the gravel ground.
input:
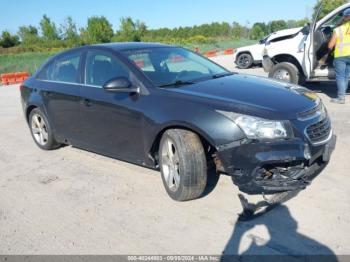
(70, 201)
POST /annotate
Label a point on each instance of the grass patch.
(29, 62)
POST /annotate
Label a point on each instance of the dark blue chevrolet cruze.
(169, 108)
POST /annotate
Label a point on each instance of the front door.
(111, 122)
(320, 34)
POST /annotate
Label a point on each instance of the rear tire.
(244, 61)
(287, 72)
(41, 130)
(183, 164)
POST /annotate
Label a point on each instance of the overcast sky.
(155, 13)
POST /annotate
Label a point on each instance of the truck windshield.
(171, 66)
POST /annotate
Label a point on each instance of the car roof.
(118, 46)
(284, 32)
(130, 45)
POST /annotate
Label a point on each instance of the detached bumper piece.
(252, 211)
(267, 64)
(275, 167)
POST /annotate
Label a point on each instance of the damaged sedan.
(168, 108)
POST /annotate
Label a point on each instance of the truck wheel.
(244, 61)
(286, 72)
(41, 130)
(183, 164)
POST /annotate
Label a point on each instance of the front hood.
(285, 32)
(252, 95)
(245, 48)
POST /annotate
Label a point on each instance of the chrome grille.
(320, 131)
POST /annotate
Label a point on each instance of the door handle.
(86, 102)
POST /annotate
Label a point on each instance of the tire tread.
(193, 158)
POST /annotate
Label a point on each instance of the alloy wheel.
(282, 74)
(244, 61)
(39, 130)
(170, 165)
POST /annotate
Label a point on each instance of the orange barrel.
(24, 76)
(4, 79)
(228, 51)
(11, 78)
(210, 53)
(18, 77)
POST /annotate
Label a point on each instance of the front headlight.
(259, 128)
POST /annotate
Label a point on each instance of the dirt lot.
(70, 201)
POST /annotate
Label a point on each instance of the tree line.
(99, 30)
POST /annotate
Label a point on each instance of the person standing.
(340, 41)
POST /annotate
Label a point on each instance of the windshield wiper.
(178, 83)
(221, 75)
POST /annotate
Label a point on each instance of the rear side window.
(102, 66)
(64, 69)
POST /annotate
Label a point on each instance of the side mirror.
(120, 84)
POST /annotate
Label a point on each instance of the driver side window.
(102, 67)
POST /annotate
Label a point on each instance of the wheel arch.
(289, 59)
(207, 142)
(29, 109)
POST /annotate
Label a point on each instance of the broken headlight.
(259, 128)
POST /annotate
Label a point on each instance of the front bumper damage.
(271, 167)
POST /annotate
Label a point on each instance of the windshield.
(167, 66)
(264, 40)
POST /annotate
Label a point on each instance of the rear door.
(59, 83)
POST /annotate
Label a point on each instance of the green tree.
(297, 23)
(8, 40)
(28, 35)
(98, 30)
(302, 22)
(256, 32)
(48, 29)
(236, 30)
(69, 32)
(327, 7)
(130, 30)
(263, 27)
(277, 25)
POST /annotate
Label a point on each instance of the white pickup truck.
(247, 56)
(305, 57)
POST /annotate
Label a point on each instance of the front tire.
(245, 61)
(183, 164)
(287, 72)
(41, 130)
